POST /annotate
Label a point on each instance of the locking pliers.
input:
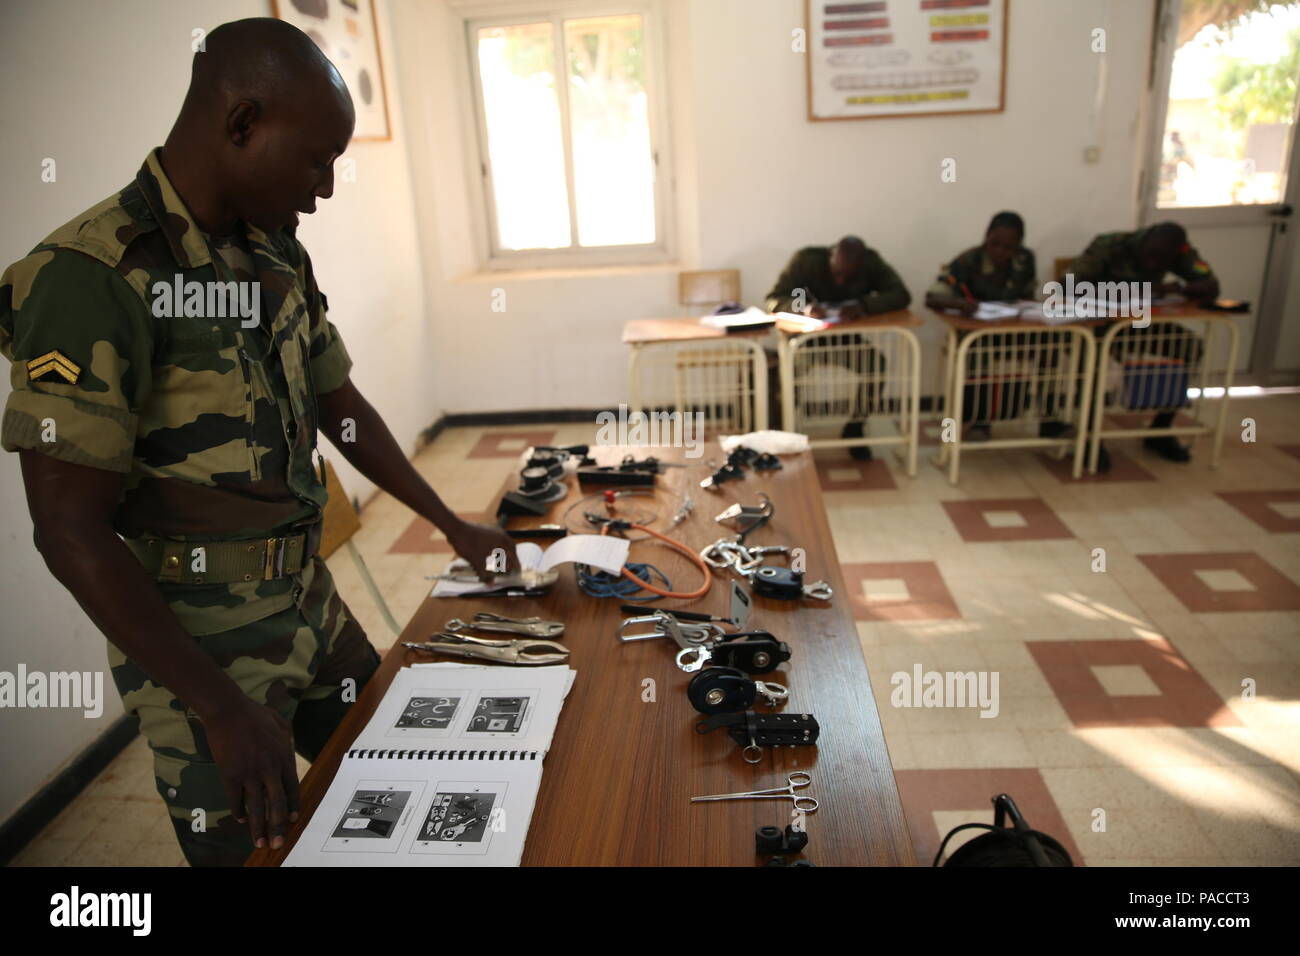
(516, 651)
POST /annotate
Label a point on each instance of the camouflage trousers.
(298, 661)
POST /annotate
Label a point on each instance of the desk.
(681, 365)
(618, 779)
(852, 371)
(1183, 360)
(1028, 371)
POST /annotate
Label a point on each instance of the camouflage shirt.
(974, 271)
(1113, 257)
(212, 423)
(877, 286)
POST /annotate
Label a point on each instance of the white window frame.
(477, 14)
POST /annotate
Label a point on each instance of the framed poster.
(875, 58)
(345, 32)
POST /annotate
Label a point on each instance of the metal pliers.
(487, 621)
(517, 651)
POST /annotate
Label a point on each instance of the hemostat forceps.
(795, 781)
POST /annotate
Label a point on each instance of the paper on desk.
(791, 322)
(767, 442)
(992, 311)
(466, 717)
(600, 551)
(750, 317)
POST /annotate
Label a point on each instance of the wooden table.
(618, 779)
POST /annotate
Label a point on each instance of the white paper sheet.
(445, 773)
(459, 707)
(422, 812)
(600, 551)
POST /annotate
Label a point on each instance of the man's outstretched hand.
(478, 544)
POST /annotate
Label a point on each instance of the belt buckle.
(273, 560)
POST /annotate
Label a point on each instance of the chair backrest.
(340, 519)
(1059, 265)
(709, 287)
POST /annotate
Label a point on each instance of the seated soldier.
(999, 270)
(848, 277)
(1148, 255)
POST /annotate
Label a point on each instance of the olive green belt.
(225, 562)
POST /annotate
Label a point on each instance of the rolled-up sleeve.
(80, 341)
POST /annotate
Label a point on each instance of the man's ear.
(240, 120)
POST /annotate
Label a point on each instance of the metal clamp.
(515, 651)
(684, 633)
(772, 692)
(497, 623)
(819, 590)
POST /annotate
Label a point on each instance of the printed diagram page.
(422, 812)
(464, 707)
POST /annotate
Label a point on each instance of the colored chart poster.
(875, 58)
(345, 32)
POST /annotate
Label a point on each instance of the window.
(1231, 105)
(568, 137)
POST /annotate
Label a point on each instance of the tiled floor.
(1144, 626)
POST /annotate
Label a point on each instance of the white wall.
(96, 86)
(755, 180)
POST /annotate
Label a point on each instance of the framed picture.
(879, 58)
(345, 31)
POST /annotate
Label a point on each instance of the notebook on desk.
(445, 773)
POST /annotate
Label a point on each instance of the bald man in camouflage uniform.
(187, 426)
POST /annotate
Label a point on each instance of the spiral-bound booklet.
(445, 774)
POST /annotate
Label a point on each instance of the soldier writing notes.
(169, 454)
(850, 280)
(1148, 256)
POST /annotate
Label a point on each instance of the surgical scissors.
(795, 781)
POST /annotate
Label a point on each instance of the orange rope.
(695, 559)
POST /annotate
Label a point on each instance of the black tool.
(755, 731)
(725, 473)
(774, 840)
(513, 503)
(767, 462)
(574, 450)
(612, 475)
(755, 652)
(780, 583)
(553, 464)
(680, 615)
(719, 690)
(537, 483)
(740, 456)
(544, 533)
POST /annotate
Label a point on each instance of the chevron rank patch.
(53, 365)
